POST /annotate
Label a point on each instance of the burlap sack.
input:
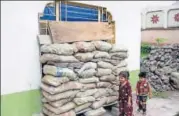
(107, 65)
(115, 111)
(118, 70)
(103, 84)
(44, 100)
(57, 58)
(86, 66)
(108, 78)
(115, 87)
(87, 73)
(76, 65)
(83, 100)
(54, 81)
(103, 72)
(102, 46)
(61, 49)
(84, 57)
(85, 46)
(113, 62)
(88, 86)
(60, 102)
(99, 103)
(119, 54)
(65, 108)
(97, 112)
(89, 80)
(82, 107)
(111, 99)
(61, 72)
(117, 48)
(62, 88)
(121, 64)
(48, 113)
(58, 64)
(59, 96)
(100, 54)
(86, 93)
(100, 92)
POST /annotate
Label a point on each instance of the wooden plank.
(62, 32)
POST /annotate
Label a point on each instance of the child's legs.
(140, 102)
(144, 105)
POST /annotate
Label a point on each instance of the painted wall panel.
(173, 18)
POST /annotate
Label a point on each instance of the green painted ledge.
(21, 104)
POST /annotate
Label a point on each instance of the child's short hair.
(142, 74)
(124, 74)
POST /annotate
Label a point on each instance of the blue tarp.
(74, 13)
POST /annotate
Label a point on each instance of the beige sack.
(86, 93)
(48, 113)
(104, 84)
(59, 96)
(82, 107)
(117, 48)
(87, 73)
(84, 46)
(54, 81)
(60, 102)
(86, 66)
(99, 103)
(65, 108)
(72, 85)
(108, 78)
(57, 58)
(89, 80)
(96, 112)
(84, 57)
(100, 92)
(102, 64)
(103, 72)
(102, 46)
(111, 99)
(120, 65)
(88, 86)
(83, 100)
(119, 54)
(60, 72)
(100, 54)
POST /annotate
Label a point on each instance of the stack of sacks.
(82, 76)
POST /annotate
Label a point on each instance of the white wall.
(20, 58)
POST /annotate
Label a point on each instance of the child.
(125, 95)
(143, 90)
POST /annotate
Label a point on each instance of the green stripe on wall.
(21, 104)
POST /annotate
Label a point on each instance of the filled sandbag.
(102, 64)
(72, 85)
(58, 64)
(121, 64)
(60, 103)
(84, 57)
(115, 87)
(87, 73)
(96, 112)
(86, 66)
(59, 72)
(57, 58)
(99, 103)
(49, 113)
(108, 78)
(82, 107)
(86, 93)
(61, 49)
(59, 96)
(111, 99)
(118, 70)
(89, 80)
(112, 61)
(88, 86)
(117, 48)
(102, 46)
(65, 108)
(83, 100)
(101, 54)
(103, 72)
(84, 46)
(76, 65)
(119, 54)
(54, 81)
(100, 92)
(103, 84)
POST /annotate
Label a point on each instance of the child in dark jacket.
(143, 90)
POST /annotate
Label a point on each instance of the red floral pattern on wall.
(176, 17)
(154, 19)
